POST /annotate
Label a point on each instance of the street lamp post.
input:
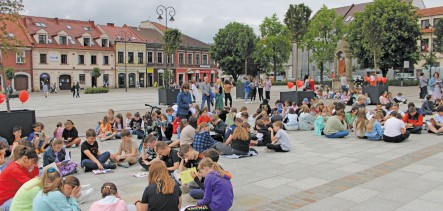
(171, 11)
(125, 37)
(165, 10)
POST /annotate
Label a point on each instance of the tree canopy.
(325, 30)
(171, 41)
(391, 23)
(274, 45)
(233, 47)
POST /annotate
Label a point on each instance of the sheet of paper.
(185, 176)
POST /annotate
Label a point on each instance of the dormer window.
(11, 36)
(62, 40)
(40, 25)
(86, 41)
(71, 40)
(49, 41)
(68, 27)
(41, 39)
(87, 28)
(104, 42)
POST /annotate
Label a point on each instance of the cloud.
(196, 18)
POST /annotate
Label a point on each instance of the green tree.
(275, 44)
(171, 41)
(325, 30)
(438, 41)
(9, 15)
(297, 21)
(233, 47)
(95, 74)
(398, 36)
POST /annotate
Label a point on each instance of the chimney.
(56, 20)
(91, 22)
(110, 24)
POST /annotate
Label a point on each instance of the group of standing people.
(252, 86)
(434, 83)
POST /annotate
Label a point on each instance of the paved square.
(318, 174)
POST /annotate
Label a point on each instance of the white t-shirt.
(283, 139)
(393, 127)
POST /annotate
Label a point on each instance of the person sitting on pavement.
(202, 139)
(435, 125)
(204, 116)
(290, 120)
(56, 153)
(428, 105)
(306, 119)
(336, 126)
(351, 116)
(413, 120)
(105, 131)
(219, 128)
(70, 135)
(91, 157)
(395, 129)
(360, 124)
(374, 130)
(360, 103)
(38, 137)
(167, 155)
(62, 194)
(111, 200)
(128, 152)
(279, 138)
(238, 143)
(400, 99)
(147, 152)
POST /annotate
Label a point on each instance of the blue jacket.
(54, 200)
(219, 194)
(49, 156)
(183, 101)
(246, 85)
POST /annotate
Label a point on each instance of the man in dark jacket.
(219, 128)
(184, 102)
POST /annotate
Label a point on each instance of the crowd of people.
(202, 136)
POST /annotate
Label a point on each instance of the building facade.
(130, 51)
(20, 59)
(66, 51)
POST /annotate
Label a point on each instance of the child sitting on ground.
(58, 132)
(137, 125)
(38, 138)
(280, 140)
(130, 149)
(202, 139)
(91, 157)
(105, 131)
(56, 153)
(230, 117)
(166, 128)
(400, 99)
(127, 121)
(169, 116)
(204, 116)
(148, 152)
(110, 200)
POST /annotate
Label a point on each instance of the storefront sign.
(53, 58)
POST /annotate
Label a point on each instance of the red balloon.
(384, 80)
(2, 98)
(379, 79)
(290, 85)
(367, 79)
(299, 83)
(23, 96)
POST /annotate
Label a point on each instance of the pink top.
(109, 203)
(59, 133)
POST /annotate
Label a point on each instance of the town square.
(307, 107)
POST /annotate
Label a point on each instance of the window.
(120, 57)
(197, 59)
(190, 58)
(104, 42)
(10, 36)
(49, 41)
(205, 59)
(105, 78)
(81, 78)
(87, 28)
(425, 24)
(68, 27)
(212, 62)
(131, 57)
(140, 57)
(150, 57)
(41, 39)
(86, 41)
(81, 59)
(64, 59)
(170, 59)
(436, 20)
(424, 45)
(20, 57)
(62, 40)
(93, 59)
(71, 40)
(40, 24)
(181, 58)
(105, 60)
(42, 58)
(160, 57)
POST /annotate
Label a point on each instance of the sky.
(200, 19)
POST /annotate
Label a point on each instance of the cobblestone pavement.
(318, 173)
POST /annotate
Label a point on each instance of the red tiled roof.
(148, 35)
(187, 40)
(114, 31)
(17, 30)
(430, 11)
(56, 25)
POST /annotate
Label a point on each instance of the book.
(53, 164)
(104, 171)
(65, 162)
(185, 176)
(140, 174)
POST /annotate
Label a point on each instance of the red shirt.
(12, 178)
(203, 118)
